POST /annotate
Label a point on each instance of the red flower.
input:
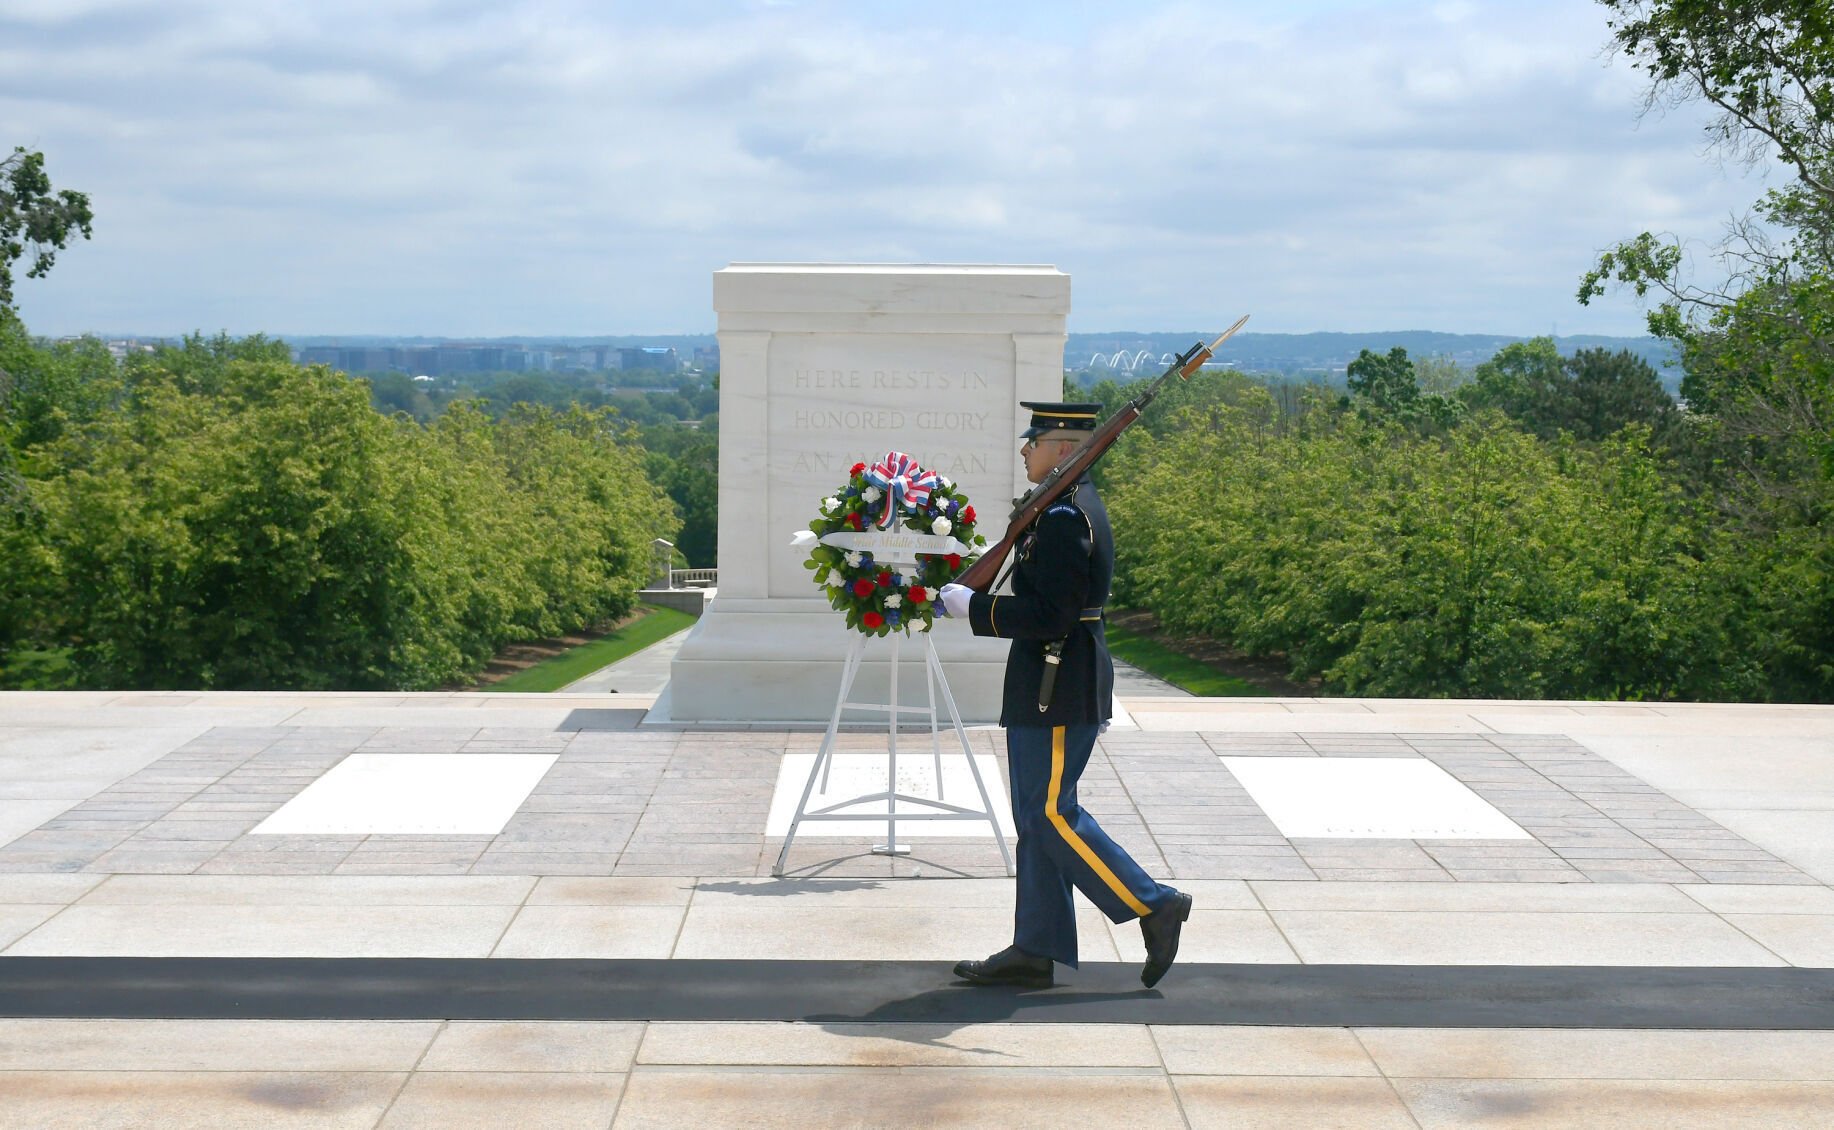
(918, 596)
(857, 468)
(862, 587)
(955, 561)
(968, 514)
(885, 580)
(872, 619)
(855, 521)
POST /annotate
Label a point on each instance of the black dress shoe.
(1161, 929)
(1011, 966)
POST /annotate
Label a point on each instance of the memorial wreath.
(892, 494)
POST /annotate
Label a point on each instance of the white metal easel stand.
(928, 808)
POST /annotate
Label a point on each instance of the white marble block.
(823, 366)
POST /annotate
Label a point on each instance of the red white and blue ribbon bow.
(902, 482)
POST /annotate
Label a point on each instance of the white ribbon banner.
(889, 546)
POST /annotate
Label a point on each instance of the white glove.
(955, 599)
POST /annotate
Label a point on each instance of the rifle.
(980, 575)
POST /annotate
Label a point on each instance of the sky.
(483, 168)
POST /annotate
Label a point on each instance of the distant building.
(649, 357)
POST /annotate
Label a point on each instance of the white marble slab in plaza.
(824, 365)
(857, 774)
(1369, 798)
(451, 794)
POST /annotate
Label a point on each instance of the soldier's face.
(1042, 454)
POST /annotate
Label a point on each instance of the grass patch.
(1181, 671)
(654, 625)
(47, 670)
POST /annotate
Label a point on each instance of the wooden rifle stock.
(981, 575)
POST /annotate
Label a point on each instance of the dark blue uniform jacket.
(1060, 585)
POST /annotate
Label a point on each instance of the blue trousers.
(1061, 846)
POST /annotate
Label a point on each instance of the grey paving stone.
(271, 863)
(1599, 872)
(1563, 874)
(43, 862)
(149, 862)
(71, 841)
(1781, 878)
(408, 866)
(1383, 874)
(195, 830)
(1580, 855)
(609, 839)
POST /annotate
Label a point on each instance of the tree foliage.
(1767, 66)
(35, 218)
(213, 516)
(1591, 395)
(1486, 563)
(1386, 386)
(1757, 346)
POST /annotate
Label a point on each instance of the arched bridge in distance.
(1123, 361)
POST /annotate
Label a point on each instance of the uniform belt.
(1092, 613)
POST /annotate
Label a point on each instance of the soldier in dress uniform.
(1054, 618)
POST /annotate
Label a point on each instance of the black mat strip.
(841, 992)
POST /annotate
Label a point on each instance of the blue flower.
(891, 616)
(865, 560)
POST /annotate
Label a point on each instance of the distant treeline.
(1326, 355)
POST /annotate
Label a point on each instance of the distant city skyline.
(559, 168)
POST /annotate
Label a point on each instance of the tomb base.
(780, 660)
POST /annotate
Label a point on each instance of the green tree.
(1517, 380)
(398, 392)
(35, 218)
(1387, 386)
(1478, 562)
(1767, 66)
(1757, 346)
(1591, 394)
(1608, 390)
(1440, 375)
(227, 519)
(1387, 382)
(686, 464)
(226, 540)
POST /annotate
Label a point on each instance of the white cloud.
(467, 168)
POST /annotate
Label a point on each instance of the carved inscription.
(885, 419)
(818, 380)
(942, 462)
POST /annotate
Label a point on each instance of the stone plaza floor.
(469, 909)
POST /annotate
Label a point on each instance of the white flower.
(854, 559)
(948, 483)
(893, 601)
(941, 526)
(829, 505)
(870, 494)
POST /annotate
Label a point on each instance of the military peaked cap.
(1055, 417)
